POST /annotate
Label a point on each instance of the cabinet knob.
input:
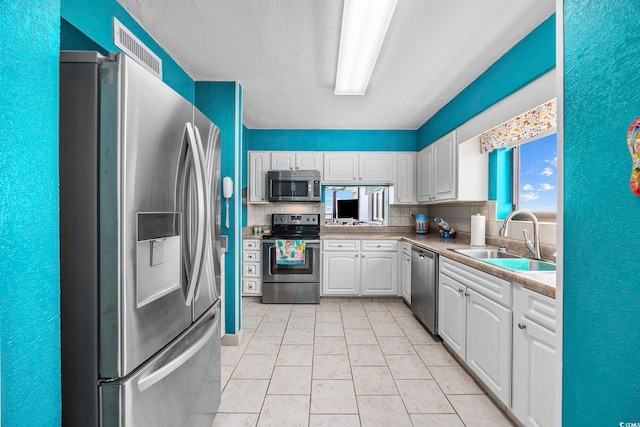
(356, 255)
(362, 255)
(522, 326)
(354, 178)
(461, 290)
(466, 294)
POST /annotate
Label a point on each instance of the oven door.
(285, 273)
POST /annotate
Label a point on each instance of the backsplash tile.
(458, 215)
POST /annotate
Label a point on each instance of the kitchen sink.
(522, 264)
(508, 260)
(487, 253)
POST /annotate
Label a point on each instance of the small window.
(361, 205)
(535, 183)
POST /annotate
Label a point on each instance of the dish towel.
(290, 252)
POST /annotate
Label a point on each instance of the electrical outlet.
(411, 213)
(485, 213)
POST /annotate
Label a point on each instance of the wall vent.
(132, 46)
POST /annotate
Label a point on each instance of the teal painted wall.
(95, 20)
(601, 374)
(29, 233)
(529, 59)
(331, 140)
(220, 101)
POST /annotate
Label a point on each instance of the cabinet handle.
(379, 246)
(461, 290)
(522, 326)
(466, 294)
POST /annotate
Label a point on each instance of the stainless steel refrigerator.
(140, 249)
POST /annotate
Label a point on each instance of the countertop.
(542, 282)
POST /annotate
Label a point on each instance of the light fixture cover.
(364, 26)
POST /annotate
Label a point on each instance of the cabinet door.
(259, 164)
(489, 343)
(283, 160)
(406, 277)
(534, 362)
(452, 314)
(445, 168)
(376, 168)
(425, 174)
(379, 273)
(341, 273)
(405, 191)
(309, 160)
(340, 167)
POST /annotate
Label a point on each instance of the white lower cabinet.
(405, 271)
(348, 270)
(340, 273)
(379, 273)
(475, 325)
(251, 267)
(534, 359)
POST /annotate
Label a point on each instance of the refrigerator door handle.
(159, 374)
(205, 200)
(200, 216)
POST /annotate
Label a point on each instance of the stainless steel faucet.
(534, 247)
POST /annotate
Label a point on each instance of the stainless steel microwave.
(293, 186)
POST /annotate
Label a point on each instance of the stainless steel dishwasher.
(424, 290)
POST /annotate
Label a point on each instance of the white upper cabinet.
(449, 171)
(362, 168)
(376, 167)
(298, 160)
(405, 182)
(341, 167)
(259, 165)
(425, 174)
(309, 160)
(283, 160)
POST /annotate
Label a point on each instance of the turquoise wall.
(331, 140)
(529, 59)
(29, 233)
(601, 374)
(95, 20)
(221, 102)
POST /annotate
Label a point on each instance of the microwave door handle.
(200, 215)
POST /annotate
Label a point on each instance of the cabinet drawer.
(250, 286)
(341, 245)
(539, 308)
(251, 256)
(250, 269)
(490, 286)
(380, 245)
(250, 244)
(406, 248)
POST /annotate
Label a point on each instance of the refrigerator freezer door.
(142, 127)
(208, 289)
(178, 387)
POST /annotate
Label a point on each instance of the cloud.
(527, 197)
(527, 187)
(553, 162)
(546, 187)
(546, 172)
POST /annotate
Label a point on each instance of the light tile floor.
(343, 363)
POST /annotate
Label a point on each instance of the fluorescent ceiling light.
(364, 26)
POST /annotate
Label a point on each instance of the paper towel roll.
(477, 230)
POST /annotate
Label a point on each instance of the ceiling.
(284, 54)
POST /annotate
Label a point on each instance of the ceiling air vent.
(132, 46)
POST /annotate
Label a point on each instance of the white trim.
(560, 208)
